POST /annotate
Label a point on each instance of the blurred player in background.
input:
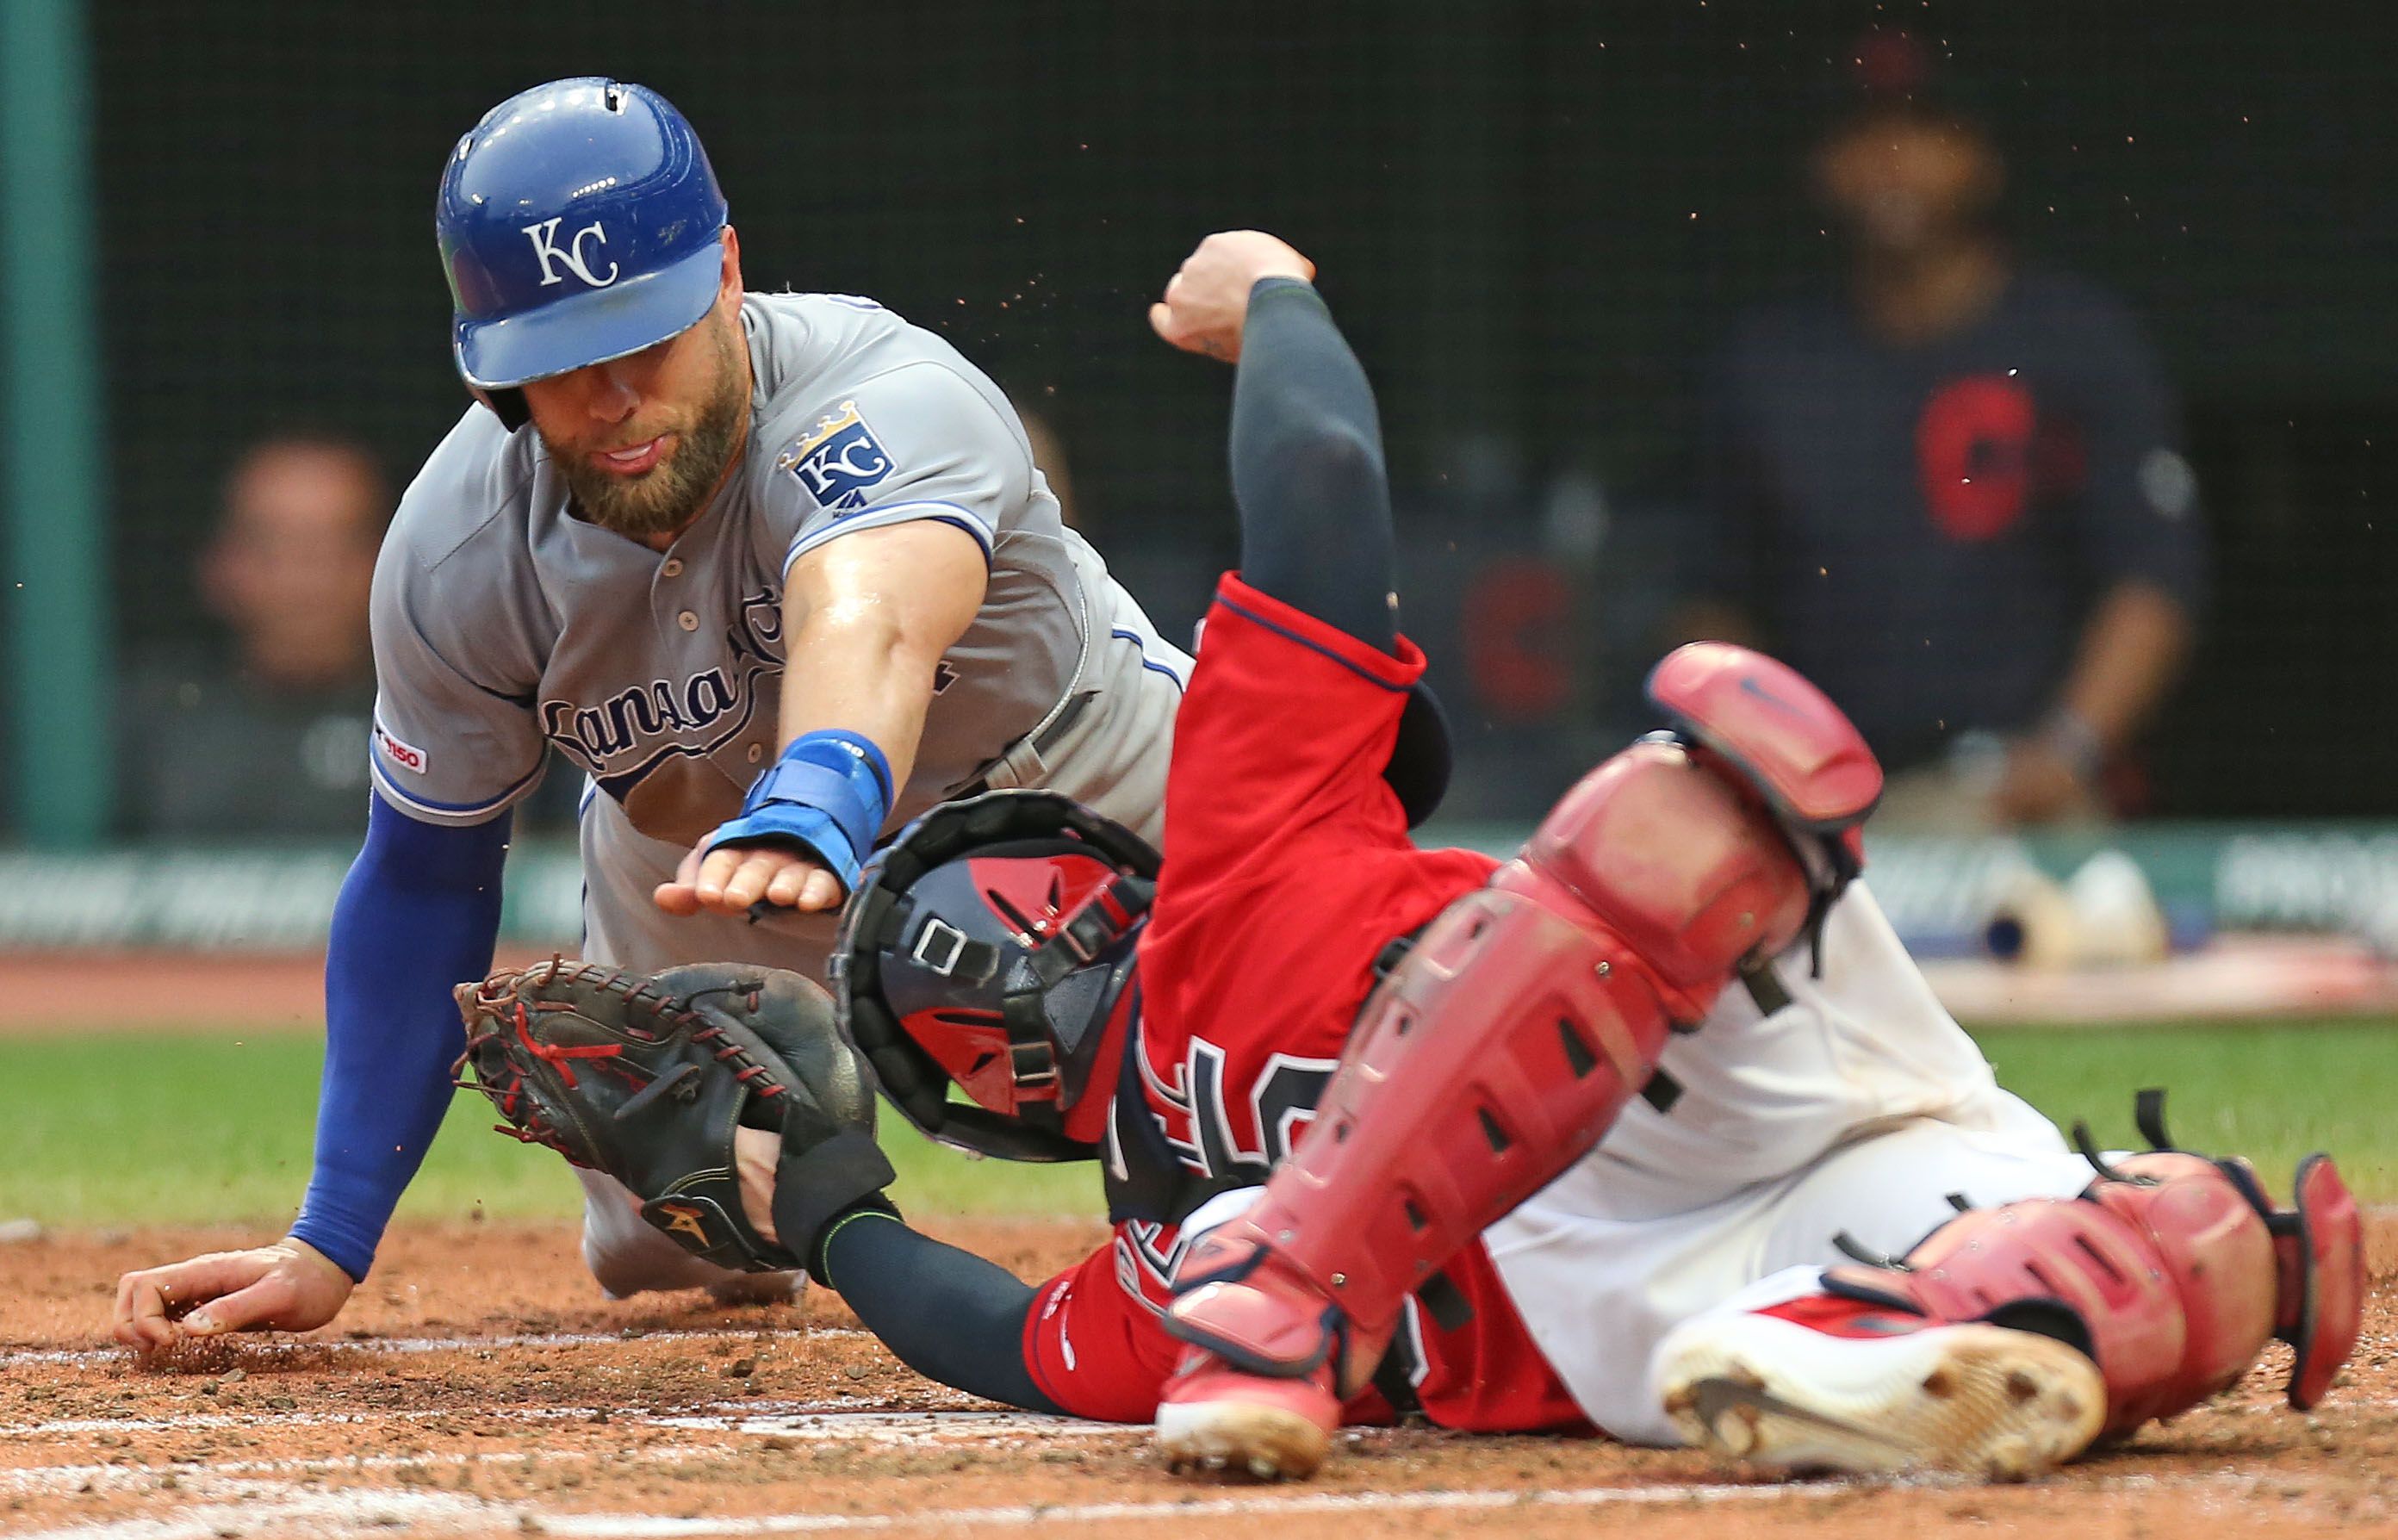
(1953, 494)
(268, 738)
(700, 543)
(1049, 454)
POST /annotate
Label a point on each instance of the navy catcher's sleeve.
(419, 912)
(1307, 467)
(946, 1313)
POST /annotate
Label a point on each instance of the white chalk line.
(898, 1427)
(905, 1428)
(625, 1526)
(343, 1514)
(319, 1515)
(726, 1413)
(194, 1473)
(339, 1514)
(258, 1348)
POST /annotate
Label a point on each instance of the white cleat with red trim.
(1850, 1389)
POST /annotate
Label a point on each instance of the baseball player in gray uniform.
(775, 573)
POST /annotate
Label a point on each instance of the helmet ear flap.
(508, 405)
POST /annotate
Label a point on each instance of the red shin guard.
(1497, 1054)
(2172, 1271)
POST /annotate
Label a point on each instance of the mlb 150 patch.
(839, 461)
(405, 755)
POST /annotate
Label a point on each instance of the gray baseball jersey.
(505, 627)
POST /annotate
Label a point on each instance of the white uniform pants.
(1600, 1294)
(1859, 1107)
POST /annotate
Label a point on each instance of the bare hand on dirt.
(289, 1286)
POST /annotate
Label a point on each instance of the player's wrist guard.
(828, 794)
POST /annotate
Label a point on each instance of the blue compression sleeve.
(419, 912)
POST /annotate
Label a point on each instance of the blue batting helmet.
(579, 222)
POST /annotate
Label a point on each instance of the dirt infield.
(149, 988)
(478, 1386)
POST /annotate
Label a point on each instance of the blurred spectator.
(1952, 492)
(1049, 457)
(266, 732)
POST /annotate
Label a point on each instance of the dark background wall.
(1534, 216)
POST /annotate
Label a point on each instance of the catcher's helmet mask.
(945, 975)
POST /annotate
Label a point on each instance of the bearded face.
(643, 441)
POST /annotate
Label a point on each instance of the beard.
(665, 497)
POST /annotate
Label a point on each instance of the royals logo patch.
(839, 461)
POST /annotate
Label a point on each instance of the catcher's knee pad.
(1673, 865)
(2319, 1277)
(1498, 1051)
(2171, 1271)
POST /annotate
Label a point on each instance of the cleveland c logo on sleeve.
(838, 460)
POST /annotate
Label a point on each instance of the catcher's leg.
(2164, 1279)
(1498, 1051)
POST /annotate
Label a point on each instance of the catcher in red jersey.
(1581, 1138)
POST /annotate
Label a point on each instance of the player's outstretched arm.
(1306, 439)
(418, 911)
(1205, 308)
(951, 1315)
(868, 617)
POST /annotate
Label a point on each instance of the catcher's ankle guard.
(1262, 1316)
(2172, 1271)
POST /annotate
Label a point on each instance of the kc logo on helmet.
(544, 237)
(839, 461)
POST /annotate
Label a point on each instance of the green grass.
(206, 1127)
(2272, 1092)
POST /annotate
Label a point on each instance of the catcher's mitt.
(646, 1078)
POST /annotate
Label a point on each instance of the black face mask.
(945, 949)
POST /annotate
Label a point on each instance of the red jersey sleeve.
(1287, 871)
(1286, 724)
(1093, 1343)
